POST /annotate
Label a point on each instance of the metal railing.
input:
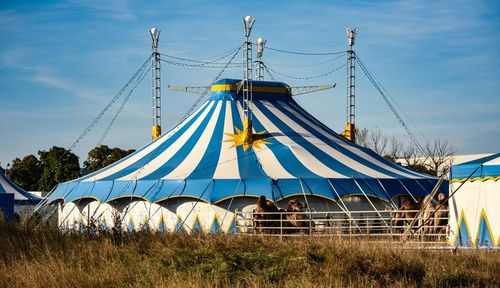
(383, 225)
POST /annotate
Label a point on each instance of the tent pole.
(413, 197)
(371, 203)
(346, 210)
(230, 203)
(394, 206)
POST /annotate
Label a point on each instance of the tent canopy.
(21, 196)
(478, 169)
(295, 154)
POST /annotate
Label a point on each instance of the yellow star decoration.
(246, 138)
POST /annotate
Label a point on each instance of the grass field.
(48, 258)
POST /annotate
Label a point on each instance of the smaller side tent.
(21, 196)
(475, 206)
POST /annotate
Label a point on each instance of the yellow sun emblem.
(247, 138)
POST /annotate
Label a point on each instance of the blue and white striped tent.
(295, 155)
(21, 196)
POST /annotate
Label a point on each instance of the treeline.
(58, 165)
(434, 160)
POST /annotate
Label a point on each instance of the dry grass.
(48, 258)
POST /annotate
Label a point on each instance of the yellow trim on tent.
(180, 196)
(483, 214)
(462, 217)
(265, 89)
(127, 196)
(482, 179)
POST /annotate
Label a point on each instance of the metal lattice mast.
(350, 131)
(248, 22)
(156, 83)
(261, 43)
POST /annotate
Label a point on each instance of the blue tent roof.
(296, 154)
(486, 167)
(20, 195)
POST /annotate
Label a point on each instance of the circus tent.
(200, 171)
(475, 206)
(21, 196)
(14, 199)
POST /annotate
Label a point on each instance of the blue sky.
(62, 61)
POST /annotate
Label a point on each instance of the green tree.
(26, 172)
(102, 156)
(58, 165)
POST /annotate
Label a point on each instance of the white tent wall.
(470, 201)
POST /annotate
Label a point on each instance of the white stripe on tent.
(141, 152)
(227, 167)
(335, 154)
(269, 163)
(494, 161)
(352, 149)
(194, 157)
(162, 158)
(305, 157)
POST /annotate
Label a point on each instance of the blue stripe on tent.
(179, 227)
(463, 238)
(345, 187)
(464, 170)
(295, 107)
(207, 165)
(157, 151)
(290, 162)
(275, 190)
(84, 189)
(248, 164)
(484, 236)
(309, 187)
(196, 188)
(196, 226)
(368, 151)
(143, 189)
(258, 187)
(102, 189)
(227, 188)
(215, 228)
(166, 189)
(336, 146)
(58, 192)
(320, 187)
(183, 152)
(326, 159)
(289, 187)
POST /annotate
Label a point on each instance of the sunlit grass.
(47, 258)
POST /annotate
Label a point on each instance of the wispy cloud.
(71, 88)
